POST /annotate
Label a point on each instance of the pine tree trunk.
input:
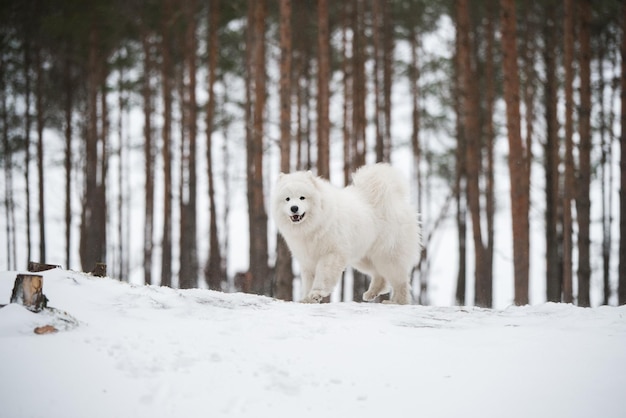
(122, 167)
(323, 92)
(359, 88)
(568, 182)
(103, 150)
(40, 166)
(416, 148)
(606, 184)
(377, 78)
(470, 106)
(461, 215)
(166, 77)
(460, 179)
(552, 162)
(388, 73)
(346, 67)
(148, 158)
(256, 106)
(188, 274)
(583, 203)
(92, 238)
(284, 273)
(347, 108)
(214, 272)
(7, 157)
(68, 109)
(27, 141)
(359, 121)
(622, 198)
(490, 97)
(518, 155)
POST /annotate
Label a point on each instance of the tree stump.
(27, 291)
(100, 270)
(35, 267)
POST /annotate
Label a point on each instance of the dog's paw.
(312, 298)
(369, 296)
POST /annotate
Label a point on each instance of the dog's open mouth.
(297, 218)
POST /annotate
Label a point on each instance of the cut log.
(46, 329)
(27, 291)
(35, 267)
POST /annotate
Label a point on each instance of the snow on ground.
(143, 351)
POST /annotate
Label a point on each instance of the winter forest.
(147, 135)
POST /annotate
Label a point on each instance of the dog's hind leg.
(401, 294)
(398, 278)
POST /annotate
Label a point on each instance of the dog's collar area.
(297, 218)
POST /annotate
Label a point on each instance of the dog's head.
(296, 199)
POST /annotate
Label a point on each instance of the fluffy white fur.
(369, 225)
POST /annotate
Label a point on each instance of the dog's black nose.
(294, 209)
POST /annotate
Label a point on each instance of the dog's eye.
(301, 197)
(287, 199)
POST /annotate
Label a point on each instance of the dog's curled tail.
(381, 185)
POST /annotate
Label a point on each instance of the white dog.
(369, 225)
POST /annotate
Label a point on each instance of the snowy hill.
(142, 351)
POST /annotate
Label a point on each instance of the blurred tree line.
(548, 75)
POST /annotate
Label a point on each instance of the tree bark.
(622, 194)
(166, 79)
(284, 273)
(121, 269)
(68, 108)
(552, 162)
(7, 156)
(214, 271)
(27, 141)
(583, 203)
(35, 267)
(92, 234)
(27, 291)
(359, 87)
(490, 98)
(605, 177)
(416, 149)
(257, 216)
(388, 74)
(346, 67)
(518, 154)
(359, 121)
(568, 182)
(470, 106)
(188, 273)
(40, 165)
(377, 78)
(148, 231)
(323, 92)
(460, 179)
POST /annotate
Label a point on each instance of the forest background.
(147, 135)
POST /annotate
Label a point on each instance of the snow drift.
(144, 351)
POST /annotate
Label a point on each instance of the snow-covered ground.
(142, 351)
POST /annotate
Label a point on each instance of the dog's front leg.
(307, 274)
(327, 275)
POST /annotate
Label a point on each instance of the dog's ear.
(317, 182)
